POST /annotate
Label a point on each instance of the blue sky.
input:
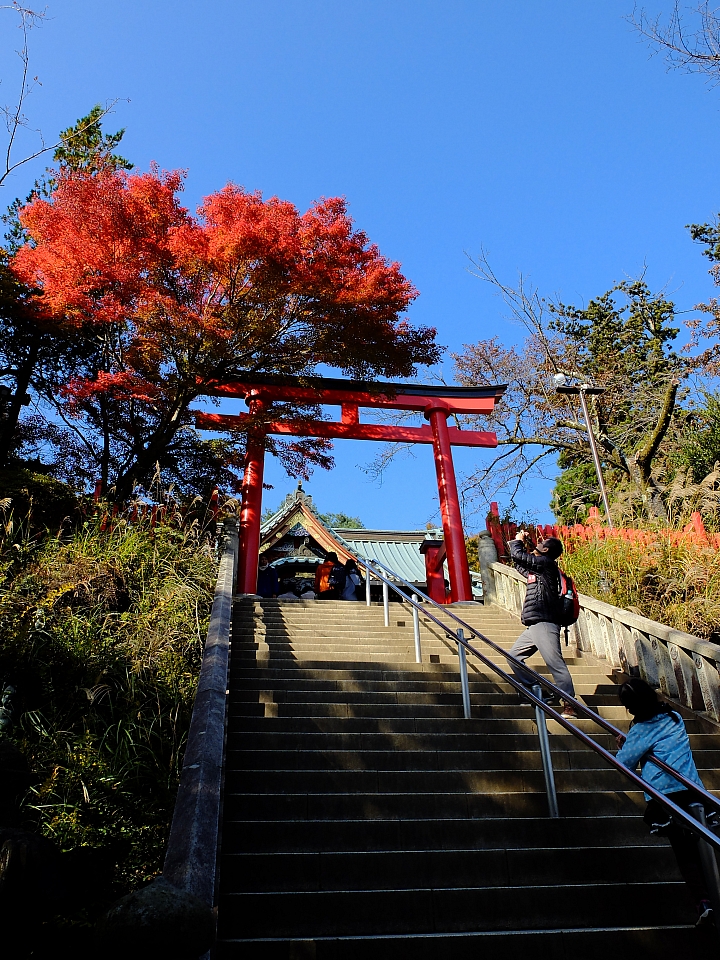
(539, 130)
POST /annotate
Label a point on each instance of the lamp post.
(562, 386)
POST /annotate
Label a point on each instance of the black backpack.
(336, 577)
(569, 605)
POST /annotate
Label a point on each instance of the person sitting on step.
(289, 590)
(657, 728)
(540, 611)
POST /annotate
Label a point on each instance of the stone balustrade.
(684, 667)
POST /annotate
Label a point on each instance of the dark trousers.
(683, 841)
(332, 594)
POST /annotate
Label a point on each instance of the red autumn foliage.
(170, 302)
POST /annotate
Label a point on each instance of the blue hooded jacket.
(667, 738)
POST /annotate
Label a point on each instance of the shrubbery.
(33, 493)
(676, 583)
(101, 635)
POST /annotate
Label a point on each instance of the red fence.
(594, 529)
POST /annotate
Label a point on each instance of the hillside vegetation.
(670, 581)
(101, 638)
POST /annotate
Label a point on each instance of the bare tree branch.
(695, 50)
(14, 114)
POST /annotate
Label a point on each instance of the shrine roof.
(399, 550)
(362, 533)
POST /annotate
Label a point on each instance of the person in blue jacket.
(656, 728)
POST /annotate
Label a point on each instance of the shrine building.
(295, 540)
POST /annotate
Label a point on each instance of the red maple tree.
(169, 303)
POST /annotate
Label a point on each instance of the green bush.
(47, 501)
(101, 634)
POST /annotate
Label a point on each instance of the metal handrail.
(538, 678)
(376, 568)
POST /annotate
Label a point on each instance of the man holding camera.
(538, 564)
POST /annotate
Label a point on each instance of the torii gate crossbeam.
(436, 403)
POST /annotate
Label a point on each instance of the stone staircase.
(364, 817)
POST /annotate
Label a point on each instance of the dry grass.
(677, 583)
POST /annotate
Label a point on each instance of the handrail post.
(386, 603)
(465, 686)
(416, 630)
(708, 860)
(546, 755)
(367, 585)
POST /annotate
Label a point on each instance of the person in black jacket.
(540, 611)
(267, 581)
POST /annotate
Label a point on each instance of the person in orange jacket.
(329, 578)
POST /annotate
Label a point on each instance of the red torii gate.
(436, 403)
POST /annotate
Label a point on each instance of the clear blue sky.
(537, 128)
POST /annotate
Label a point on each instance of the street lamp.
(562, 386)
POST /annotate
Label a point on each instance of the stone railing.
(685, 668)
(191, 857)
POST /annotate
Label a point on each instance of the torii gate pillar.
(251, 508)
(458, 568)
(251, 515)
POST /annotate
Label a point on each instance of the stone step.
(361, 645)
(500, 633)
(269, 693)
(481, 759)
(331, 638)
(396, 627)
(593, 943)
(458, 909)
(415, 685)
(410, 742)
(309, 708)
(413, 673)
(448, 781)
(299, 613)
(494, 867)
(427, 806)
(356, 620)
(448, 834)
(265, 720)
(286, 659)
